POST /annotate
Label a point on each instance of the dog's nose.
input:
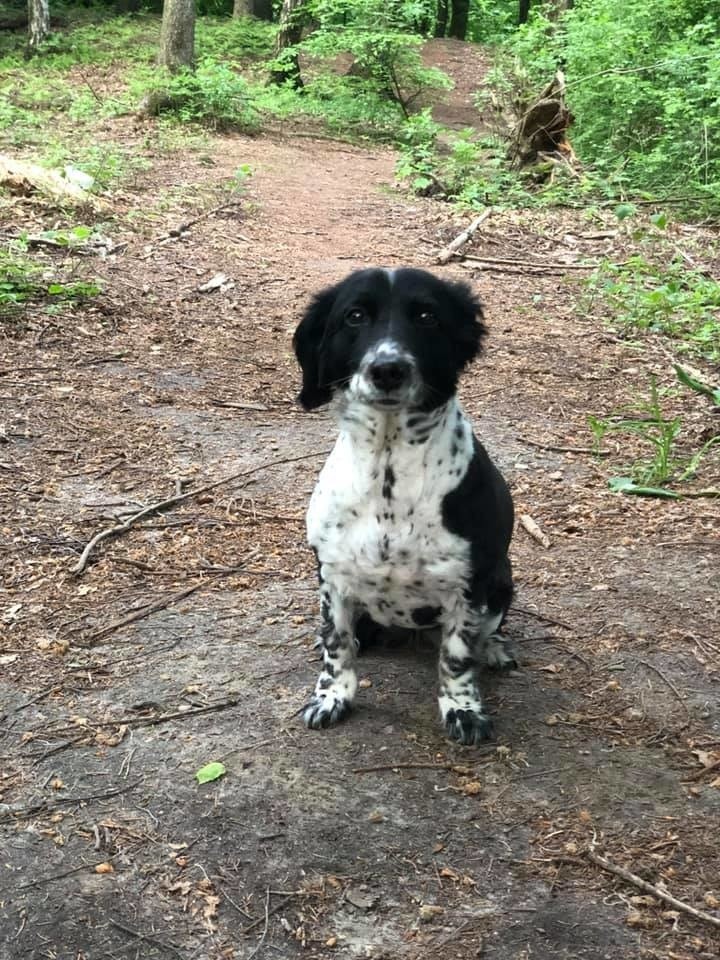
(389, 374)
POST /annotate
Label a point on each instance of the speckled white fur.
(382, 547)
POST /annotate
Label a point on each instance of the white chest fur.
(375, 517)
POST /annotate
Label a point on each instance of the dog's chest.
(376, 524)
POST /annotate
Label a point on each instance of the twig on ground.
(404, 766)
(420, 765)
(666, 681)
(140, 614)
(61, 876)
(531, 527)
(699, 774)
(448, 252)
(44, 805)
(146, 937)
(542, 617)
(172, 501)
(560, 449)
(176, 232)
(651, 888)
(534, 264)
(268, 913)
(261, 941)
(233, 904)
(161, 718)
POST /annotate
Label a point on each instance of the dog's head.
(388, 338)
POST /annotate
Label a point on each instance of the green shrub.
(212, 94)
(669, 299)
(385, 53)
(643, 81)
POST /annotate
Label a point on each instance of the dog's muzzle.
(387, 376)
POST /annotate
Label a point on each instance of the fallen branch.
(407, 766)
(560, 449)
(650, 888)
(699, 774)
(44, 805)
(542, 617)
(531, 527)
(172, 501)
(268, 913)
(176, 233)
(548, 265)
(145, 937)
(140, 614)
(666, 681)
(448, 252)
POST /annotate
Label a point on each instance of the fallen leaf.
(331, 941)
(211, 771)
(636, 919)
(376, 817)
(472, 789)
(359, 899)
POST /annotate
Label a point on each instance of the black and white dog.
(410, 519)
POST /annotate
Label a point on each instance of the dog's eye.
(426, 318)
(355, 317)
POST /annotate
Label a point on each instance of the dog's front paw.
(325, 708)
(497, 654)
(468, 727)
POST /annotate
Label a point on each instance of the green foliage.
(455, 166)
(211, 771)
(24, 281)
(242, 38)
(212, 94)
(647, 421)
(642, 81)
(378, 36)
(491, 21)
(669, 299)
(697, 385)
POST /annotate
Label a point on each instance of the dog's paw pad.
(498, 655)
(468, 726)
(324, 710)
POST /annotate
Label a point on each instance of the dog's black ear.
(469, 329)
(307, 343)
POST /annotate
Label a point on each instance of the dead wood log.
(541, 134)
(448, 252)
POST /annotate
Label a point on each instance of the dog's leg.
(337, 684)
(464, 637)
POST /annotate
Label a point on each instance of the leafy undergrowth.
(27, 282)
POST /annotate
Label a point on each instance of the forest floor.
(189, 638)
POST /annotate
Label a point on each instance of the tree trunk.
(263, 10)
(289, 34)
(459, 19)
(38, 23)
(442, 18)
(523, 11)
(177, 36)
(243, 8)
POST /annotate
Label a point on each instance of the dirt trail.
(297, 851)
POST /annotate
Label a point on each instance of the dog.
(410, 520)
